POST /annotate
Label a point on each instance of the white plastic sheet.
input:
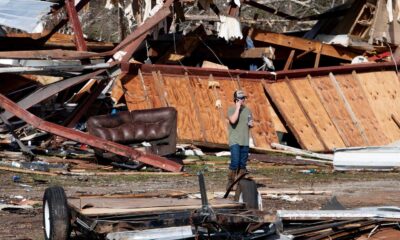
(229, 28)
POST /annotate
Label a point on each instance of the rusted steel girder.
(131, 48)
(90, 140)
(76, 25)
(258, 75)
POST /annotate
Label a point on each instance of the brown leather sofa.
(155, 126)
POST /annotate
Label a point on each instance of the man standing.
(240, 122)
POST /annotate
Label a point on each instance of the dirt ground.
(352, 189)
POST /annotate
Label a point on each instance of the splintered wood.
(323, 113)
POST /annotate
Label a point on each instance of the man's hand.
(238, 103)
(250, 123)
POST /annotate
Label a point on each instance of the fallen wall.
(202, 103)
(331, 108)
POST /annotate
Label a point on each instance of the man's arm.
(235, 116)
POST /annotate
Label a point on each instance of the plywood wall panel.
(196, 98)
(141, 92)
(298, 123)
(322, 112)
(213, 126)
(136, 95)
(179, 94)
(316, 113)
(382, 91)
(337, 111)
(362, 109)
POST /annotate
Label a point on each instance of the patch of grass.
(128, 178)
(293, 175)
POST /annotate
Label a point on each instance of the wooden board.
(336, 109)
(302, 44)
(316, 113)
(295, 118)
(100, 206)
(362, 109)
(382, 91)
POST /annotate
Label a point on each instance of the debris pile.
(326, 91)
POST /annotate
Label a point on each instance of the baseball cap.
(239, 94)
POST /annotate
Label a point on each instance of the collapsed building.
(332, 84)
(311, 90)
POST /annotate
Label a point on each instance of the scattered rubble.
(326, 97)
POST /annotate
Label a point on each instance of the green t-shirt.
(239, 132)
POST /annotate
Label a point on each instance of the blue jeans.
(239, 156)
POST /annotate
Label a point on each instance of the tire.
(248, 193)
(56, 214)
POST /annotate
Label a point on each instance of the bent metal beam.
(90, 140)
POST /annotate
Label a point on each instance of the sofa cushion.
(135, 126)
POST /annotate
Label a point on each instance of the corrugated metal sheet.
(25, 15)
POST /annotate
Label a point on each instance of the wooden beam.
(318, 57)
(289, 61)
(259, 52)
(304, 53)
(302, 44)
(353, 116)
